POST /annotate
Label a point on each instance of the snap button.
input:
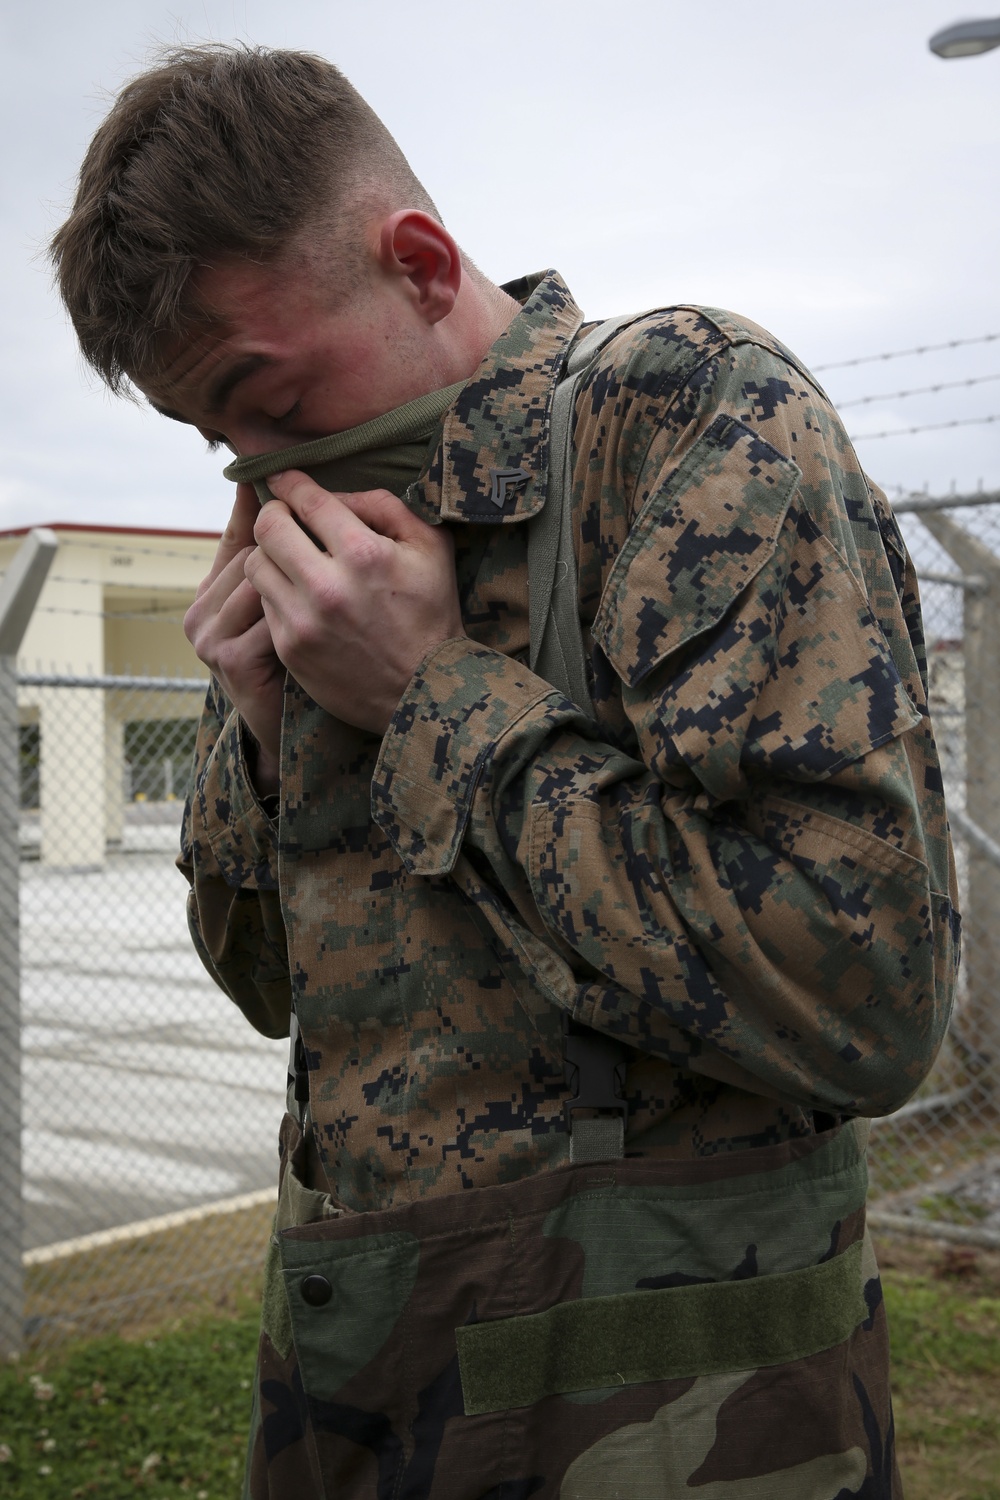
(316, 1290)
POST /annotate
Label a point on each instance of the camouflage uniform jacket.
(740, 868)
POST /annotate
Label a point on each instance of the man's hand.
(227, 628)
(352, 613)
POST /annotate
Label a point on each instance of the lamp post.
(966, 38)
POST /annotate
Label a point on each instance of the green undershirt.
(386, 453)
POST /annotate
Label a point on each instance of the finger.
(257, 639)
(209, 622)
(307, 559)
(270, 582)
(385, 513)
(214, 591)
(237, 535)
(217, 634)
(327, 514)
(255, 645)
(240, 612)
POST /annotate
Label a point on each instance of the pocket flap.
(698, 541)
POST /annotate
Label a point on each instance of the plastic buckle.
(301, 1071)
(595, 1069)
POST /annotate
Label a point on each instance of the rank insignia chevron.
(503, 480)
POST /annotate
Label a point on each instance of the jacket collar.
(491, 465)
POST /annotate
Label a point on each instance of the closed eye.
(213, 444)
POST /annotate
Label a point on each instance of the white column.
(72, 777)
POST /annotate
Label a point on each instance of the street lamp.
(966, 38)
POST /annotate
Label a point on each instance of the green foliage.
(107, 1418)
(946, 1389)
(933, 1328)
(943, 1206)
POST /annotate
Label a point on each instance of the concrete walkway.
(145, 1090)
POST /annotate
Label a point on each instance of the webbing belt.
(595, 1069)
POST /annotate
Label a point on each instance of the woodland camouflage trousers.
(634, 1329)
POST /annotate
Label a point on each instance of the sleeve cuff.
(227, 815)
(462, 700)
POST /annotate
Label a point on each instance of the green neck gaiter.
(386, 453)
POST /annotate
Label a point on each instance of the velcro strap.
(597, 1343)
(599, 1139)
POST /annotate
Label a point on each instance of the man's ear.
(415, 247)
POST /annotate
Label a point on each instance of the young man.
(728, 873)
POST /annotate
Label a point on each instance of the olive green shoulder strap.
(557, 650)
(594, 1063)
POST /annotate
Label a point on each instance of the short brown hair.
(216, 151)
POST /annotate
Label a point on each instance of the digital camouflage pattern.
(741, 868)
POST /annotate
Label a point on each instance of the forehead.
(245, 316)
(186, 362)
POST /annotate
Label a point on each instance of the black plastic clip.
(595, 1070)
(301, 1071)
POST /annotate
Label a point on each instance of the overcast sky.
(812, 166)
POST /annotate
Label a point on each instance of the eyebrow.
(220, 390)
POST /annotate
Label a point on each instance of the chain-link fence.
(146, 1097)
(935, 1164)
(150, 1107)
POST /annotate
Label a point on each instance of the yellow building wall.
(113, 604)
(114, 601)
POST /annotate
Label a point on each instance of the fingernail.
(272, 477)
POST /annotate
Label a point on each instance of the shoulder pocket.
(699, 540)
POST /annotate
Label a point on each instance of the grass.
(113, 1418)
(145, 1387)
(944, 1320)
(164, 1411)
(137, 1287)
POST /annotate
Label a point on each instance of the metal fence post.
(980, 1022)
(19, 590)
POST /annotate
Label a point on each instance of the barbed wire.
(115, 582)
(921, 390)
(104, 614)
(869, 359)
(211, 540)
(124, 583)
(868, 437)
(30, 673)
(159, 615)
